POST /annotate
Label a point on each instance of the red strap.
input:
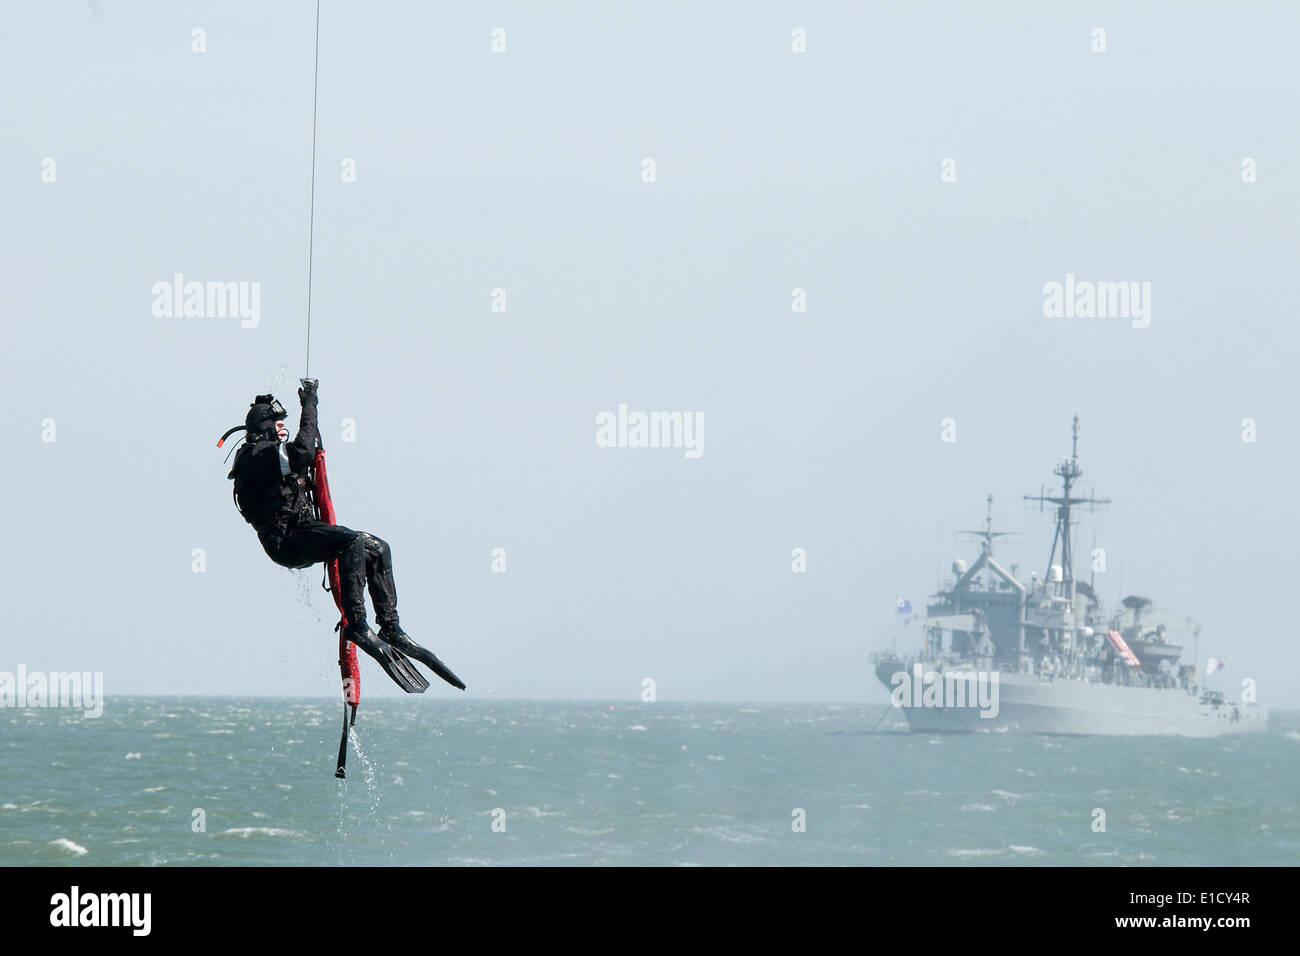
(348, 668)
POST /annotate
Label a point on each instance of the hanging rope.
(311, 229)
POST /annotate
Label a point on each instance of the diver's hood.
(263, 412)
(260, 421)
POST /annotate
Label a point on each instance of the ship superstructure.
(1046, 655)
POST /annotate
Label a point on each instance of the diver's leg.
(352, 582)
(379, 574)
(310, 542)
(313, 541)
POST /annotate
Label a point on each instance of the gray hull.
(1029, 704)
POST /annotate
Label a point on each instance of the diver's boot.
(394, 663)
(392, 634)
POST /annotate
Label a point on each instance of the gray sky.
(475, 429)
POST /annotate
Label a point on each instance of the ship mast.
(986, 539)
(1069, 472)
(987, 536)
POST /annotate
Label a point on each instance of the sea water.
(236, 782)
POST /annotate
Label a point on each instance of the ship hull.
(1029, 704)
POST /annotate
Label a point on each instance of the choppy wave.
(685, 784)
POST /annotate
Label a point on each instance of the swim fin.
(399, 640)
(395, 664)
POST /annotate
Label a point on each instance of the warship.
(1045, 655)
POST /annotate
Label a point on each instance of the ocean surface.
(594, 783)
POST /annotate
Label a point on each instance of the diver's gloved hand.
(308, 390)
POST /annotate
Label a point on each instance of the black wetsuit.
(271, 492)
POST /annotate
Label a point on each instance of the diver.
(272, 493)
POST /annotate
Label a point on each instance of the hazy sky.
(475, 429)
